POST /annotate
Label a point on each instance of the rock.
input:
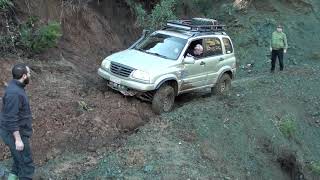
(91, 149)
(207, 152)
(148, 169)
(53, 94)
(41, 108)
(102, 150)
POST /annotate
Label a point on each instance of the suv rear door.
(213, 51)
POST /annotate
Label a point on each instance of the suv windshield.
(162, 45)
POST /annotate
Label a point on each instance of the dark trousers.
(274, 55)
(23, 165)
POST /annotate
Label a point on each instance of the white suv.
(161, 65)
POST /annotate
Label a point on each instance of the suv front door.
(194, 75)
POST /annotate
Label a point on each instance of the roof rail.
(197, 25)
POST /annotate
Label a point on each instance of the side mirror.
(189, 60)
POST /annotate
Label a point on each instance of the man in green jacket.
(278, 47)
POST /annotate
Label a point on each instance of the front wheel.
(163, 99)
(223, 85)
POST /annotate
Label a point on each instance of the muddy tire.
(223, 85)
(163, 99)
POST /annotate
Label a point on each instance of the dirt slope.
(72, 107)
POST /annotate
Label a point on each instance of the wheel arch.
(226, 71)
(170, 81)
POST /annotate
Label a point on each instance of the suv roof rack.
(196, 25)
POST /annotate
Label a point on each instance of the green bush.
(141, 15)
(39, 39)
(163, 11)
(315, 56)
(4, 4)
(203, 6)
(315, 167)
(288, 127)
(47, 37)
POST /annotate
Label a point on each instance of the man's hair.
(19, 70)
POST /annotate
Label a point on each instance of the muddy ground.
(83, 130)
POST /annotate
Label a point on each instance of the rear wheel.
(163, 99)
(223, 85)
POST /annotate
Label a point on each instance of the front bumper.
(124, 84)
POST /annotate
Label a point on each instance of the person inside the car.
(197, 51)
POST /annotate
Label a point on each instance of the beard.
(26, 81)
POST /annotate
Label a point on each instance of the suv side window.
(212, 47)
(227, 45)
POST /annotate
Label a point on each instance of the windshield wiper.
(157, 54)
(139, 49)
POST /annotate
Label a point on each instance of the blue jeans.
(23, 165)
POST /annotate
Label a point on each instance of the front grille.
(120, 69)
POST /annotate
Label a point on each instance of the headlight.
(141, 75)
(105, 64)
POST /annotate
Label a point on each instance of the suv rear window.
(227, 45)
(212, 47)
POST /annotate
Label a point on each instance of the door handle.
(221, 59)
(202, 63)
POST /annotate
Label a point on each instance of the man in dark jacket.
(16, 123)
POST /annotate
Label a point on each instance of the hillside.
(266, 128)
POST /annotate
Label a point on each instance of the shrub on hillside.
(315, 167)
(4, 4)
(162, 12)
(288, 127)
(38, 39)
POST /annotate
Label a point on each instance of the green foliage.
(47, 36)
(315, 167)
(4, 4)
(163, 11)
(315, 56)
(5, 43)
(39, 39)
(204, 6)
(288, 127)
(141, 15)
